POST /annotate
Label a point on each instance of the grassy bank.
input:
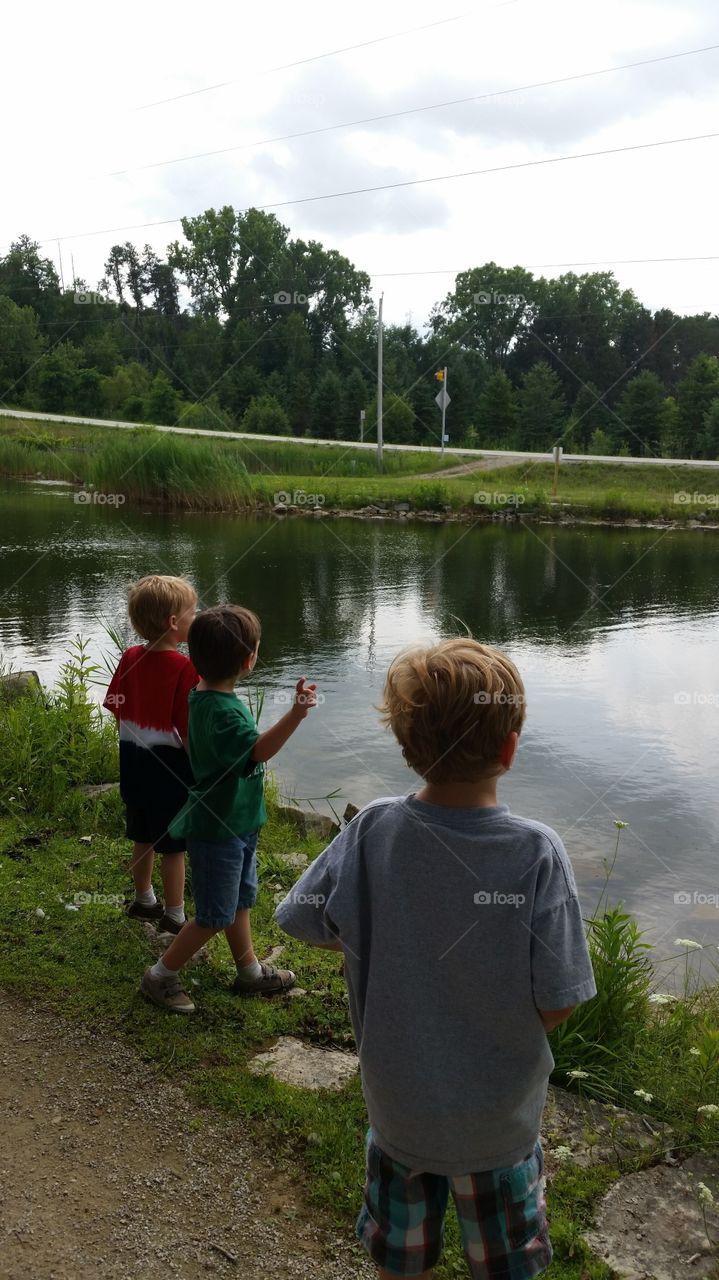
(86, 961)
(207, 474)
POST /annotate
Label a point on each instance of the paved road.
(505, 456)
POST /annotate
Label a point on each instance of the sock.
(176, 913)
(249, 971)
(146, 897)
(161, 970)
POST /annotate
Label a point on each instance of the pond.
(613, 629)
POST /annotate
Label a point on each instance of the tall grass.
(153, 467)
(52, 742)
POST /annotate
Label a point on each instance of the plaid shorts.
(502, 1216)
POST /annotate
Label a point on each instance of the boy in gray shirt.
(463, 946)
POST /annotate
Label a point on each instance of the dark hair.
(220, 639)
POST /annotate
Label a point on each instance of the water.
(614, 631)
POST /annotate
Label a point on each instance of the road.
(504, 456)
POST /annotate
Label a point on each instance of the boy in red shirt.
(148, 697)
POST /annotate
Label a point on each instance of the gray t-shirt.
(457, 925)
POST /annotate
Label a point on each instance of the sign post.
(442, 398)
(557, 459)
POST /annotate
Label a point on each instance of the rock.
(350, 812)
(306, 1066)
(280, 509)
(650, 1223)
(298, 860)
(98, 788)
(17, 683)
(402, 507)
(307, 822)
(596, 1131)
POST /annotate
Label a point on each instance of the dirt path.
(106, 1169)
(484, 464)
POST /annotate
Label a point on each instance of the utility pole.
(363, 415)
(380, 409)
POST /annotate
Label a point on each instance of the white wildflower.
(642, 1093)
(562, 1154)
(705, 1195)
(696, 1052)
(661, 997)
(688, 944)
(709, 1109)
(578, 1075)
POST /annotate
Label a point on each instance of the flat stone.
(298, 860)
(306, 1066)
(350, 812)
(17, 683)
(597, 1132)
(98, 788)
(308, 822)
(649, 1226)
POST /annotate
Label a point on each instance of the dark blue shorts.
(502, 1216)
(224, 878)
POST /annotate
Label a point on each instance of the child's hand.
(305, 697)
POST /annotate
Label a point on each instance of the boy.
(148, 697)
(225, 807)
(463, 946)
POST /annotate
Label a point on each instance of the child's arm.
(551, 1018)
(272, 740)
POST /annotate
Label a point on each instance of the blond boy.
(463, 946)
(148, 696)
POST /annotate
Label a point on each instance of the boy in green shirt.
(225, 808)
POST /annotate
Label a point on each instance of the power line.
(394, 115)
(317, 57)
(537, 266)
(410, 182)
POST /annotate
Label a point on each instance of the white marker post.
(380, 409)
(557, 459)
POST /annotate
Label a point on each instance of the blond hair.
(153, 600)
(451, 707)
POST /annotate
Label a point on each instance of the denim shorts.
(502, 1216)
(224, 878)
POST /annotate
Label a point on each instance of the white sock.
(176, 913)
(248, 971)
(146, 897)
(161, 970)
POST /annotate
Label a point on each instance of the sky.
(87, 123)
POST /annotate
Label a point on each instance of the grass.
(56, 842)
(209, 474)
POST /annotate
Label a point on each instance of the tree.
(265, 416)
(31, 281)
(488, 310)
(55, 381)
(541, 408)
(710, 438)
(639, 412)
(397, 419)
(695, 394)
(162, 402)
(328, 406)
(589, 414)
(21, 345)
(496, 417)
(300, 406)
(355, 399)
(670, 432)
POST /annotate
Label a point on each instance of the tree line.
(241, 326)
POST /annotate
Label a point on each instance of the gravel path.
(106, 1169)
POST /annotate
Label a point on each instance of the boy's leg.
(239, 937)
(172, 870)
(145, 905)
(401, 1223)
(503, 1219)
(161, 982)
(253, 977)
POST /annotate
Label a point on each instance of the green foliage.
(497, 412)
(266, 417)
(695, 394)
(599, 443)
(541, 408)
(328, 408)
(174, 470)
(639, 414)
(21, 345)
(52, 742)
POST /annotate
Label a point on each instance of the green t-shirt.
(228, 796)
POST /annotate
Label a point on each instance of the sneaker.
(167, 925)
(168, 993)
(137, 911)
(272, 982)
